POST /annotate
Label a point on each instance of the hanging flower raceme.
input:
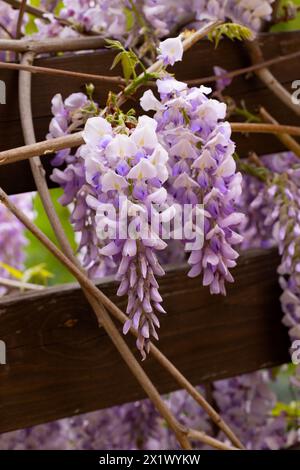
(126, 169)
(284, 198)
(202, 174)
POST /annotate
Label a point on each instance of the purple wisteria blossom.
(171, 50)
(126, 168)
(69, 115)
(272, 219)
(202, 173)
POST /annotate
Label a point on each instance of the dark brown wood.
(198, 62)
(59, 363)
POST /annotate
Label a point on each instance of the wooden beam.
(198, 62)
(60, 364)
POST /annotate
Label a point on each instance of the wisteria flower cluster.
(202, 172)
(129, 165)
(183, 156)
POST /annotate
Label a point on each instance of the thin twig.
(9, 34)
(268, 78)
(211, 441)
(244, 70)
(286, 139)
(64, 73)
(50, 146)
(22, 8)
(20, 284)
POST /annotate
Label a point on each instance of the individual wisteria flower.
(126, 168)
(171, 50)
(12, 236)
(221, 83)
(202, 173)
(210, 9)
(163, 16)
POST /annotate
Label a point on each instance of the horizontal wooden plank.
(198, 62)
(59, 363)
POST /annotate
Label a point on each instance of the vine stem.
(38, 171)
(64, 73)
(211, 441)
(182, 433)
(286, 139)
(52, 44)
(268, 78)
(102, 316)
(46, 147)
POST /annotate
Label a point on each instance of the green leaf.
(37, 274)
(114, 44)
(116, 60)
(14, 272)
(129, 18)
(291, 409)
(37, 253)
(127, 66)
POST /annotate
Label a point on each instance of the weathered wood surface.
(59, 363)
(198, 62)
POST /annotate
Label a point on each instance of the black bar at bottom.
(141, 459)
